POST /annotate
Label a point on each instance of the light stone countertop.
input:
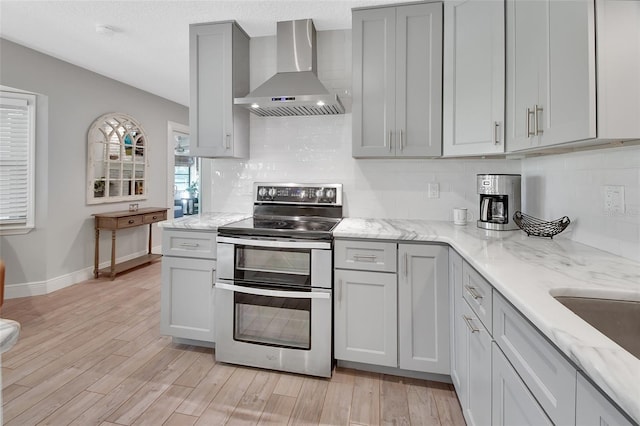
(204, 221)
(525, 270)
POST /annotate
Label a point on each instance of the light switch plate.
(433, 190)
(614, 199)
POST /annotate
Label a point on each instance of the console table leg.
(96, 254)
(113, 254)
(150, 229)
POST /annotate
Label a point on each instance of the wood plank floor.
(92, 354)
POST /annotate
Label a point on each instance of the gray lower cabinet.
(387, 318)
(549, 376)
(512, 402)
(593, 409)
(218, 72)
(423, 308)
(470, 351)
(397, 81)
(186, 306)
(365, 312)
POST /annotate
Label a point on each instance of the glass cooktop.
(309, 228)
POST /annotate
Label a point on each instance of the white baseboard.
(37, 288)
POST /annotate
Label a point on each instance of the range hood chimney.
(295, 88)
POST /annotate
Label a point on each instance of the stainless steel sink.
(619, 320)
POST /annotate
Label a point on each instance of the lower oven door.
(284, 330)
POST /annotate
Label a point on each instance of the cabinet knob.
(131, 221)
(155, 217)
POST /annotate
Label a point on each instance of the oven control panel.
(327, 194)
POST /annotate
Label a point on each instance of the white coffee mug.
(461, 216)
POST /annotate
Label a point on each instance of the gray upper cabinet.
(474, 77)
(397, 81)
(218, 72)
(553, 72)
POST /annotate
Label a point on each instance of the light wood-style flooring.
(92, 354)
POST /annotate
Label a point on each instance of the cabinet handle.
(190, 245)
(536, 121)
(340, 291)
(227, 141)
(496, 133)
(472, 291)
(406, 264)
(401, 141)
(131, 221)
(469, 322)
(213, 277)
(389, 141)
(368, 257)
(529, 113)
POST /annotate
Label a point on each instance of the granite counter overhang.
(204, 221)
(525, 270)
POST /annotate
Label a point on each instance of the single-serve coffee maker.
(499, 200)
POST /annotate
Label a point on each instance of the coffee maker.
(499, 200)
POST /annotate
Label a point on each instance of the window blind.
(16, 147)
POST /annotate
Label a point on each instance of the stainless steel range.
(273, 299)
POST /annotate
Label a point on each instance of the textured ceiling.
(150, 46)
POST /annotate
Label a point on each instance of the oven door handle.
(274, 243)
(275, 293)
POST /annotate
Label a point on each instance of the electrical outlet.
(433, 190)
(614, 199)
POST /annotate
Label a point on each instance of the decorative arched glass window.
(117, 159)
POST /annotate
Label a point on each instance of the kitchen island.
(528, 272)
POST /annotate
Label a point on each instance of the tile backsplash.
(573, 185)
(318, 149)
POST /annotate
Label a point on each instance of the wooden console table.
(120, 220)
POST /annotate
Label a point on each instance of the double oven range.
(273, 299)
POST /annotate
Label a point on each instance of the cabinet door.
(374, 80)
(457, 348)
(512, 402)
(474, 77)
(423, 308)
(218, 71)
(544, 370)
(187, 298)
(365, 317)
(418, 50)
(477, 350)
(593, 409)
(551, 66)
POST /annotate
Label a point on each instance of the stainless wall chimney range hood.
(295, 88)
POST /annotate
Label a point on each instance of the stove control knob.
(330, 194)
(262, 191)
(319, 193)
(303, 194)
(272, 192)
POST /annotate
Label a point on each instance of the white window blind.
(17, 144)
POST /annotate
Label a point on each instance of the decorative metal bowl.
(540, 228)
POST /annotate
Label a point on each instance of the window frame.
(12, 226)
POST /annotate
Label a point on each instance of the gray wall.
(70, 99)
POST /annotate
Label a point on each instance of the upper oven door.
(275, 262)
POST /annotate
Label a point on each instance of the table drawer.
(547, 374)
(365, 255)
(129, 221)
(155, 217)
(198, 244)
(477, 292)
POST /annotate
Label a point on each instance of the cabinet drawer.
(365, 255)
(477, 292)
(549, 377)
(198, 244)
(128, 221)
(154, 217)
(593, 409)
